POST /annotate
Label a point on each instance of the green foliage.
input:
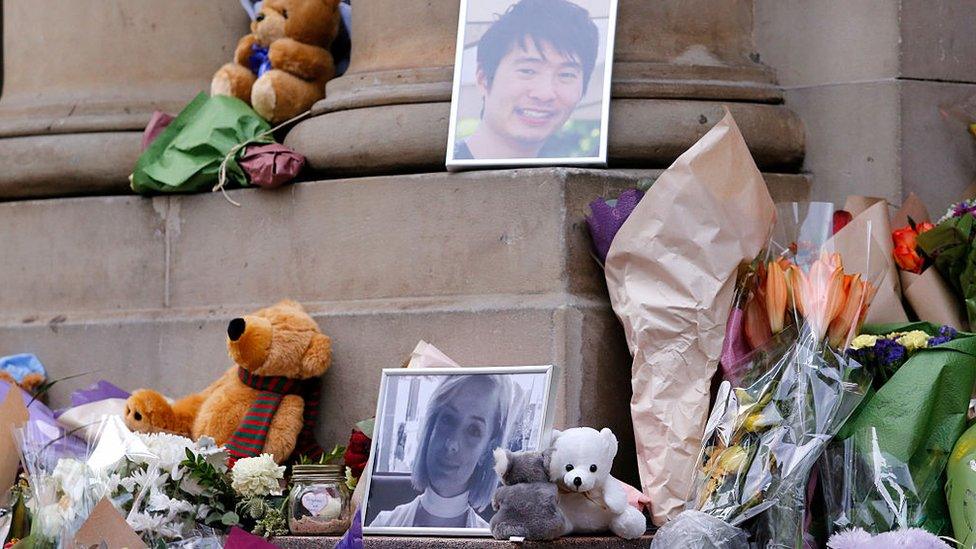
(214, 490)
(265, 516)
(326, 458)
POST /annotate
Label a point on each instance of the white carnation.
(257, 476)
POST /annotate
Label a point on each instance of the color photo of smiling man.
(531, 83)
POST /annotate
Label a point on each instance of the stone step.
(389, 542)
(492, 267)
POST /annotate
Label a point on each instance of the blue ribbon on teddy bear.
(259, 61)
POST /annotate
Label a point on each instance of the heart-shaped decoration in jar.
(315, 501)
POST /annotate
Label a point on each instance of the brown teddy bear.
(262, 404)
(281, 67)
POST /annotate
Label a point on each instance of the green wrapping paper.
(186, 157)
(961, 488)
(951, 244)
(916, 418)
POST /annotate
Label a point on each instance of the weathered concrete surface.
(386, 542)
(474, 233)
(643, 133)
(389, 112)
(75, 101)
(38, 166)
(868, 78)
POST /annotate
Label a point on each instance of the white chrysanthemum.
(257, 476)
(145, 522)
(160, 502)
(170, 451)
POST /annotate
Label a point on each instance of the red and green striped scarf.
(248, 439)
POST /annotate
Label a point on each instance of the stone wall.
(868, 78)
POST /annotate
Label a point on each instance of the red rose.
(357, 452)
(841, 219)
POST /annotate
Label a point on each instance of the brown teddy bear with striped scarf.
(266, 403)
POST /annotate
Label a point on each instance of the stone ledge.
(423, 235)
(389, 542)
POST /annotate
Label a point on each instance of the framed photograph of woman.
(432, 469)
(531, 83)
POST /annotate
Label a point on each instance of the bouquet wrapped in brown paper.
(671, 274)
(925, 289)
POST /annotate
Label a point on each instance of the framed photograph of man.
(531, 83)
(431, 470)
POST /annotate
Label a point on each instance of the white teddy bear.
(591, 500)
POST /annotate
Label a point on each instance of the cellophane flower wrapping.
(886, 468)
(791, 387)
(172, 491)
(63, 490)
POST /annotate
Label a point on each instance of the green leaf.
(230, 518)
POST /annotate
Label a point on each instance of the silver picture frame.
(596, 89)
(389, 489)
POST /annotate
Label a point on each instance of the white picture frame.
(389, 476)
(521, 123)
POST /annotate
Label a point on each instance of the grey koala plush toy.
(527, 505)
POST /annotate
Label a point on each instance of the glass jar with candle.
(318, 502)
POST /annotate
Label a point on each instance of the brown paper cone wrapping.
(853, 244)
(932, 299)
(671, 275)
(13, 415)
(105, 527)
(912, 207)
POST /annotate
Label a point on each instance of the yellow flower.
(913, 340)
(864, 340)
(730, 460)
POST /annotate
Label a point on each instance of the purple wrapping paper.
(157, 123)
(606, 219)
(734, 347)
(99, 390)
(39, 414)
(271, 165)
(353, 538)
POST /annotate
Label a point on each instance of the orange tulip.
(756, 325)
(776, 295)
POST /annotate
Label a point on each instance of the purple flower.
(946, 334)
(607, 216)
(883, 358)
(963, 208)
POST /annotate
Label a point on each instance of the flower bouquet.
(886, 469)
(950, 246)
(793, 387)
(171, 491)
